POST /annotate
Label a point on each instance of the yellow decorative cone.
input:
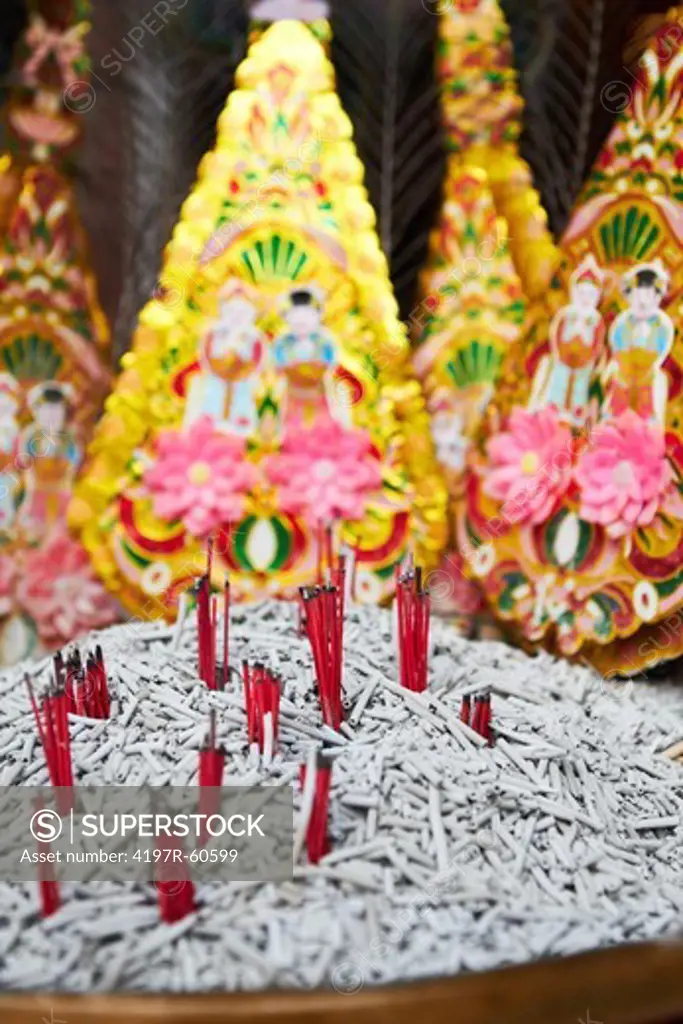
(268, 399)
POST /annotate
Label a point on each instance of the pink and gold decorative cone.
(573, 515)
(53, 343)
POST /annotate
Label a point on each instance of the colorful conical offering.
(491, 256)
(268, 400)
(53, 342)
(574, 515)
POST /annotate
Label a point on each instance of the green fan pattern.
(275, 259)
(31, 358)
(629, 236)
(477, 364)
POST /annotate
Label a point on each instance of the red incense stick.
(175, 889)
(48, 886)
(339, 586)
(485, 722)
(465, 710)
(53, 729)
(412, 611)
(249, 702)
(477, 714)
(325, 630)
(209, 558)
(226, 631)
(317, 837)
(262, 691)
(211, 768)
(105, 696)
(206, 633)
(481, 719)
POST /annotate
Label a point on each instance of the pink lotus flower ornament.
(201, 477)
(59, 591)
(529, 465)
(326, 473)
(625, 478)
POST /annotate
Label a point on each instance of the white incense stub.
(446, 854)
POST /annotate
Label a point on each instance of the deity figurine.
(640, 340)
(577, 346)
(231, 354)
(9, 433)
(306, 354)
(50, 454)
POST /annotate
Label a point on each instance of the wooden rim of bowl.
(638, 984)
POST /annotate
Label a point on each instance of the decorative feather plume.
(578, 53)
(384, 58)
(13, 21)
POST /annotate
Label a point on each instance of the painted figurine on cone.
(306, 355)
(577, 349)
(640, 341)
(231, 354)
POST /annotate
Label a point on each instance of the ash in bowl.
(447, 855)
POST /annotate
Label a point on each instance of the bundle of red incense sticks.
(324, 625)
(207, 628)
(412, 609)
(262, 691)
(478, 719)
(211, 768)
(317, 836)
(87, 687)
(52, 723)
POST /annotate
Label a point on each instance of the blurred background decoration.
(161, 72)
(158, 97)
(54, 339)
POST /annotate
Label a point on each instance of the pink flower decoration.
(530, 465)
(326, 473)
(200, 477)
(60, 592)
(8, 579)
(624, 476)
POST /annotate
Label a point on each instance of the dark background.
(152, 121)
